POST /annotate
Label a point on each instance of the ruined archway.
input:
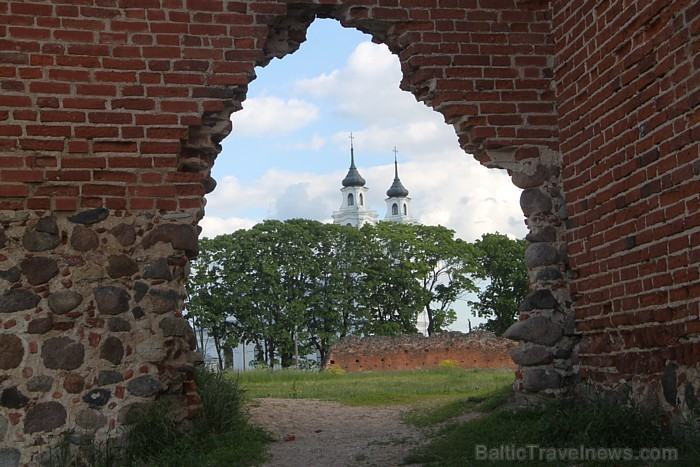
(112, 113)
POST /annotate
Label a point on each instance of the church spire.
(354, 210)
(397, 202)
(353, 178)
(397, 190)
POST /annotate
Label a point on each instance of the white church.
(354, 210)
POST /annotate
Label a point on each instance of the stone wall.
(377, 353)
(90, 322)
(111, 115)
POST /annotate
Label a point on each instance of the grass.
(561, 424)
(220, 435)
(376, 389)
(423, 416)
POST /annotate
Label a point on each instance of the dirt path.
(313, 433)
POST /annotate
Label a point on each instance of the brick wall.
(378, 353)
(111, 115)
(627, 93)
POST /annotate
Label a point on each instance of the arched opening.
(477, 199)
(434, 167)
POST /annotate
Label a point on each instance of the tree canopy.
(502, 267)
(295, 287)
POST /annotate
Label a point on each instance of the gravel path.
(313, 433)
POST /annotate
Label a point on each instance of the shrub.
(449, 364)
(334, 370)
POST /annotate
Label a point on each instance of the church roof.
(397, 190)
(353, 178)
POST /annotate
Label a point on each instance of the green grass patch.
(425, 415)
(221, 435)
(560, 424)
(375, 388)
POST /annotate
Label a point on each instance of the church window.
(394, 209)
(362, 200)
(405, 210)
(351, 200)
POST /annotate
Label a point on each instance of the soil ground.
(313, 433)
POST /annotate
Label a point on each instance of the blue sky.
(290, 146)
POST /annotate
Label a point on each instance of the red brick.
(112, 176)
(64, 204)
(166, 133)
(22, 176)
(48, 130)
(110, 117)
(130, 162)
(39, 203)
(114, 146)
(103, 190)
(42, 144)
(11, 162)
(160, 147)
(62, 116)
(18, 191)
(31, 9)
(97, 89)
(73, 36)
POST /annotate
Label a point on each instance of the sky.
(290, 146)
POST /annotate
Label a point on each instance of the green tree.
(445, 268)
(298, 286)
(432, 267)
(207, 299)
(391, 294)
(333, 286)
(502, 267)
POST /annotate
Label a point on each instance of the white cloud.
(213, 226)
(296, 201)
(367, 89)
(415, 140)
(269, 114)
(277, 194)
(455, 192)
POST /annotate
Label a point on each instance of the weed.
(562, 424)
(361, 457)
(334, 370)
(220, 435)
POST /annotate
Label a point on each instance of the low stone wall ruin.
(379, 353)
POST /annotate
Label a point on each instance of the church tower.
(354, 211)
(398, 202)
